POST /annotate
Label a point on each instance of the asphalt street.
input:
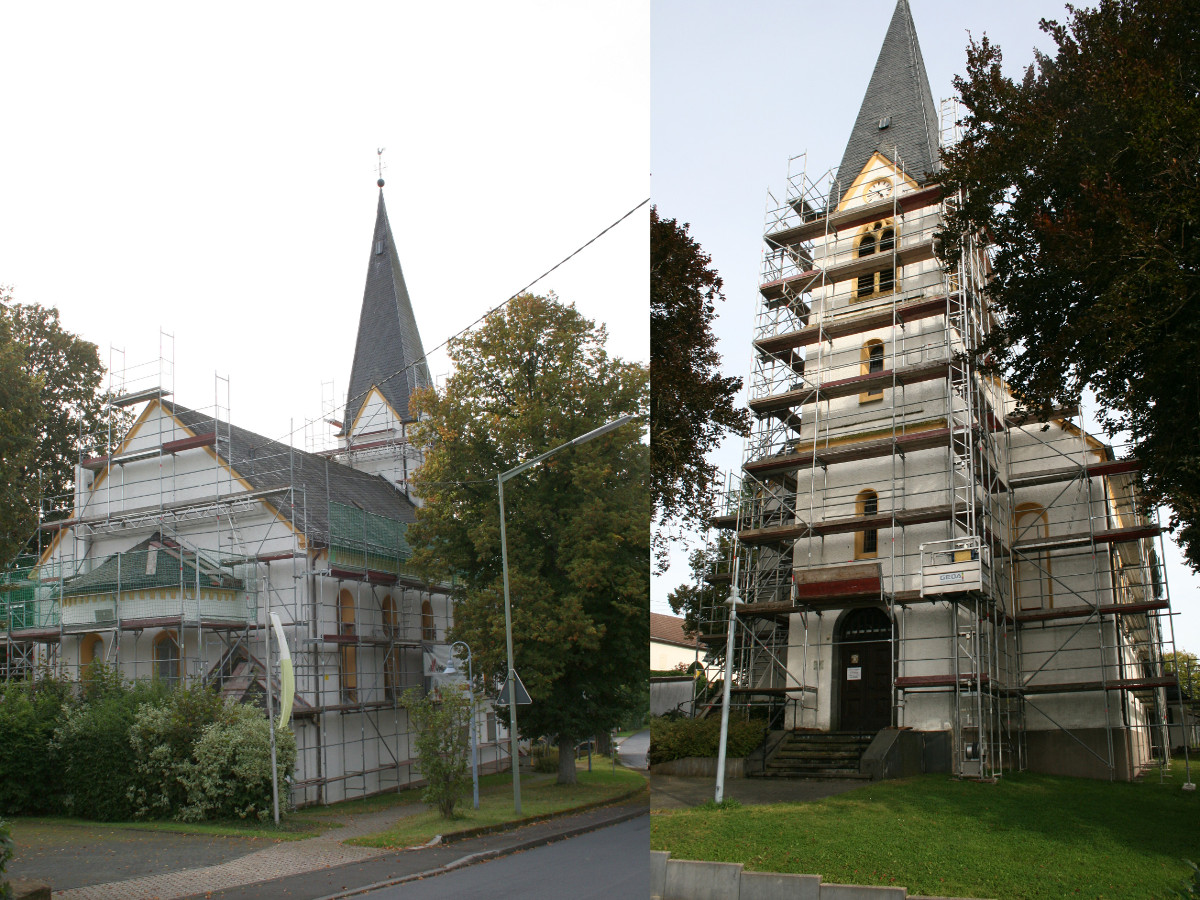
(600, 865)
(635, 749)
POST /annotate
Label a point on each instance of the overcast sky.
(211, 170)
(738, 89)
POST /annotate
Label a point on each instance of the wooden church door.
(865, 671)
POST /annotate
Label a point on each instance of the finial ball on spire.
(380, 182)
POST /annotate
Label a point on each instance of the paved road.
(601, 865)
(635, 749)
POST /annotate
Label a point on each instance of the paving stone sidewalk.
(275, 861)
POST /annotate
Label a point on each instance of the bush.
(229, 775)
(545, 760)
(162, 738)
(29, 772)
(680, 738)
(6, 853)
(442, 744)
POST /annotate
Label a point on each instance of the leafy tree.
(1085, 176)
(533, 376)
(1188, 667)
(692, 598)
(65, 418)
(442, 742)
(18, 445)
(691, 404)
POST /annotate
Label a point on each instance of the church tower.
(389, 364)
(911, 555)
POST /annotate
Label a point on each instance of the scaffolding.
(1019, 574)
(185, 532)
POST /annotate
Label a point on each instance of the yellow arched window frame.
(871, 361)
(391, 658)
(1033, 582)
(167, 657)
(880, 238)
(348, 653)
(866, 542)
(428, 625)
(91, 648)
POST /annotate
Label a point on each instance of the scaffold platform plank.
(1077, 687)
(848, 387)
(170, 447)
(948, 680)
(1083, 612)
(852, 218)
(1069, 473)
(863, 265)
(841, 326)
(1083, 539)
(138, 396)
(728, 520)
(851, 451)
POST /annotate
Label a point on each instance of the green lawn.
(1027, 836)
(539, 799)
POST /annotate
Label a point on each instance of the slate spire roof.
(388, 340)
(899, 91)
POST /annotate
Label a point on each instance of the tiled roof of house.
(899, 91)
(266, 463)
(388, 354)
(669, 630)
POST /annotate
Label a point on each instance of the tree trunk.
(604, 743)
(566, 760)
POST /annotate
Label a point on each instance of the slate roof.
(265, 464)
(154, 563)
(388, 340)
(669, 630)
(899, 89)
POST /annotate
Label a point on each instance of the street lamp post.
(450, 670)
(732, 603)
(511, 678)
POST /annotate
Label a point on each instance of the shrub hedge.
(680, 738)
(108, 749)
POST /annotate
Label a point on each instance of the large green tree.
(1085, 177)
(18, 417)
(66, 418)
(535, 375)
(691, 403)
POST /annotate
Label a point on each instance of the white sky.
(211, 170)
(740, 88)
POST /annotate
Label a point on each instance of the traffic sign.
(522, 694)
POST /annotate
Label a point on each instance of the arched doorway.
(864, 671)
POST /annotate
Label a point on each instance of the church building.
(930, 578)
(191, 531)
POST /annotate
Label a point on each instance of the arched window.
(428, 626)
(91, 648)
(348, 652)
(866, 247)
(872, 362)
(166, 658)
(389, 616)
(877, 238)
(866, 542)
(391, 653)
(1032, 578)
(887, 242)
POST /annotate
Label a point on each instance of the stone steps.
(818, 756)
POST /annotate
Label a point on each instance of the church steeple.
(897, 118)
(388, 356)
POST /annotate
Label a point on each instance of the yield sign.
(522, 694)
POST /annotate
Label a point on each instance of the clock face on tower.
(877, 190)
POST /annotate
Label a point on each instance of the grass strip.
(539, 800)
(288, 829)
(1026, 836)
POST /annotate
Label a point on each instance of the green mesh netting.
(363, 540)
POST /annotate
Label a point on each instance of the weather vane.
(379, 153)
